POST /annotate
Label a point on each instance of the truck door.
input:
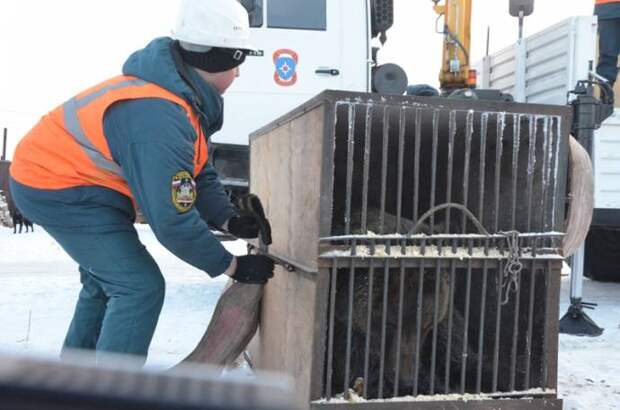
(304, 47)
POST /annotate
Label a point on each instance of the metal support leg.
(576, 321)
(576, 275)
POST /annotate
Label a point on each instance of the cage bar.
(330, 347)
(399, 331)
(386, 279)
(482, 326)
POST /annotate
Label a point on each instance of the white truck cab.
(304, 47)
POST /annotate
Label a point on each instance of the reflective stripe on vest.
(72, 123)
(68, 147)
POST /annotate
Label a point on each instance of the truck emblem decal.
(286, 67)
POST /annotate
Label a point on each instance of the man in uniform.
(139, 140)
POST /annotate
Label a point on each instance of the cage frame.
(314, 270)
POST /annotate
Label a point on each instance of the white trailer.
(543, 68)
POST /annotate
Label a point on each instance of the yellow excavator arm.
(455, 68)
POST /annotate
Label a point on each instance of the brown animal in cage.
(374, 347)
(368, 343)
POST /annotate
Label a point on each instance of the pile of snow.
(5, 217)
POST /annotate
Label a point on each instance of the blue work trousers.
(122, 287)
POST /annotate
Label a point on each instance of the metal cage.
(426, 238)
(435, 319)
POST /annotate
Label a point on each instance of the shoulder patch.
(183, 191)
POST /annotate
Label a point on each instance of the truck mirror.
(382, 16)
(248, 4)
(518, 6)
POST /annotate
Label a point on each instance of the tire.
(602, 254)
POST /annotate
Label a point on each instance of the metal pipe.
(498, 320)
(545, 170)
(451, 137)
(434, 165)
(516, 138)
(371, 279)
(484, 124)
(386, 136)
(498, 168)
(466, 327)
(450, 320)
(350, 152)
(515, 334)
(545, 352)
(401, 153)
(349, 327)
(418, 332)
(530, 323)
(576, 275)
(416, 162)
(366, 171)
(399, 326)
(386, 280)
(330, 342)
(435, 323)
(558, 235)
(531, 163)
(481, 330)
(468, 138)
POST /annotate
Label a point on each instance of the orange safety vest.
(607, 1)
(68, 147)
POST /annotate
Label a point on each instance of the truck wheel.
(602, 256)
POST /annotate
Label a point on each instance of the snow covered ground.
(589, 368)
(39, 286)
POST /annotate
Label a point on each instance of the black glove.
(255, 269)
(244, 226)
(250, 205)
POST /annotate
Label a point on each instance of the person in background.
(608, 13)
(139, 140)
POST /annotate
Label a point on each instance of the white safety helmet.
(213, 23)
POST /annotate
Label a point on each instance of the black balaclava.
(216, 60)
